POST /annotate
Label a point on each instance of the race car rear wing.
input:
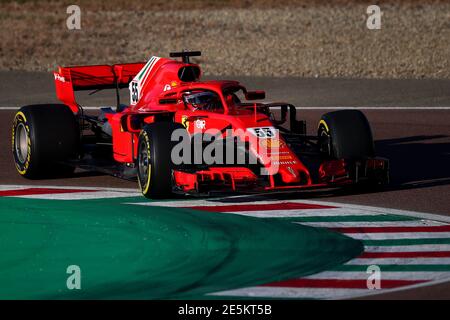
(97, 77)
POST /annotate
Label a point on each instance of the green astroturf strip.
(350, 218)
(140, 252)
(406, 242)
(397, 267)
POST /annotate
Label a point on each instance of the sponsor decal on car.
(59, 77)
(284, 162)
(139, 80)
(168, 87)
(263, 132)
(272, 143)
(200, 124)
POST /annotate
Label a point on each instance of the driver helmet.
(201, 100)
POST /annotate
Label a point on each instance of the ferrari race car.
(180, 134)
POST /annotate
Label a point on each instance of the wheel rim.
(21, 142)
(144, 163)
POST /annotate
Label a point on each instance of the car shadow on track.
(415, 162)
(76, 175)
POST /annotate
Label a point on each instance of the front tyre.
(154, 159)
(43, 136)
(349, 135)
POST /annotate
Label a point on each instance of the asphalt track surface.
(410, 120)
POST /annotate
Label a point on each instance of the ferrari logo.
(184, 122)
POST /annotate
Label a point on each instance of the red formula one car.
(183, 135)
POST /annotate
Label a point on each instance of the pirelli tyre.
(349, 135)
(154, 159)
(43, 137)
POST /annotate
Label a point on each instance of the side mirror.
(255, 95)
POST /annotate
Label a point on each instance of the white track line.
(11, 188)
(335, 212)
(332, 212)
(367, 209)
(381, 210)
(275, 213)
(299, 108)
(399, 261)
(98, 194)
(412, 248)
(398, 235)
(81, 195)
(4, 187)
(416, 223)
(213, 203)
(282, 292)
(387, 275)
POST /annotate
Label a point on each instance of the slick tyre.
(349, 135)
(154, 159)
(44, 136)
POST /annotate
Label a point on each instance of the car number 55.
(264, 132)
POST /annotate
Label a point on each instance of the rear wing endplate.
(97, 77)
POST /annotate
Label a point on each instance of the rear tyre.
(349, 133)
(43, 136)
(154, 159)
